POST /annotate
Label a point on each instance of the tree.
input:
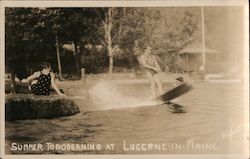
(28, 36)
(168, 30)
(109, 31)
(35, 34)
(106, 31)
(31, 34)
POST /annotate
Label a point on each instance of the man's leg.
(158, 83)
(152, 83)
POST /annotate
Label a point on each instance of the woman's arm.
(32, 77)
(53, 84)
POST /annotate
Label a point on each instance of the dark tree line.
(101, 38)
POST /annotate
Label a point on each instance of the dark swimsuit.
(42, 86)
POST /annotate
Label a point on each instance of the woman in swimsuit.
(151, 67)
(42, 80)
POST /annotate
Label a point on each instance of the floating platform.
(29, 106)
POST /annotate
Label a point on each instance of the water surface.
(114, 116)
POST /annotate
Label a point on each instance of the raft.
(29, 106)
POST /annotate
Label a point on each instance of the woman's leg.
(32, 83)
(158, 83)
(152, 83)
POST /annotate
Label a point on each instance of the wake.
(109, 95)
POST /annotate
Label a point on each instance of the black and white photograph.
(121, 79)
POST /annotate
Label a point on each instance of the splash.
(110, 95)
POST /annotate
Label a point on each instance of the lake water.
(114, 114)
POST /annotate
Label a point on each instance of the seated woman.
(42, 80)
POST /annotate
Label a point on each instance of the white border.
(122, 3)
(137, 156)
(104, 3)
(2, 92)
(246, 76)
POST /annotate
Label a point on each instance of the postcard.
(119, 79)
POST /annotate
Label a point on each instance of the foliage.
(30, 36)
(167, 31)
